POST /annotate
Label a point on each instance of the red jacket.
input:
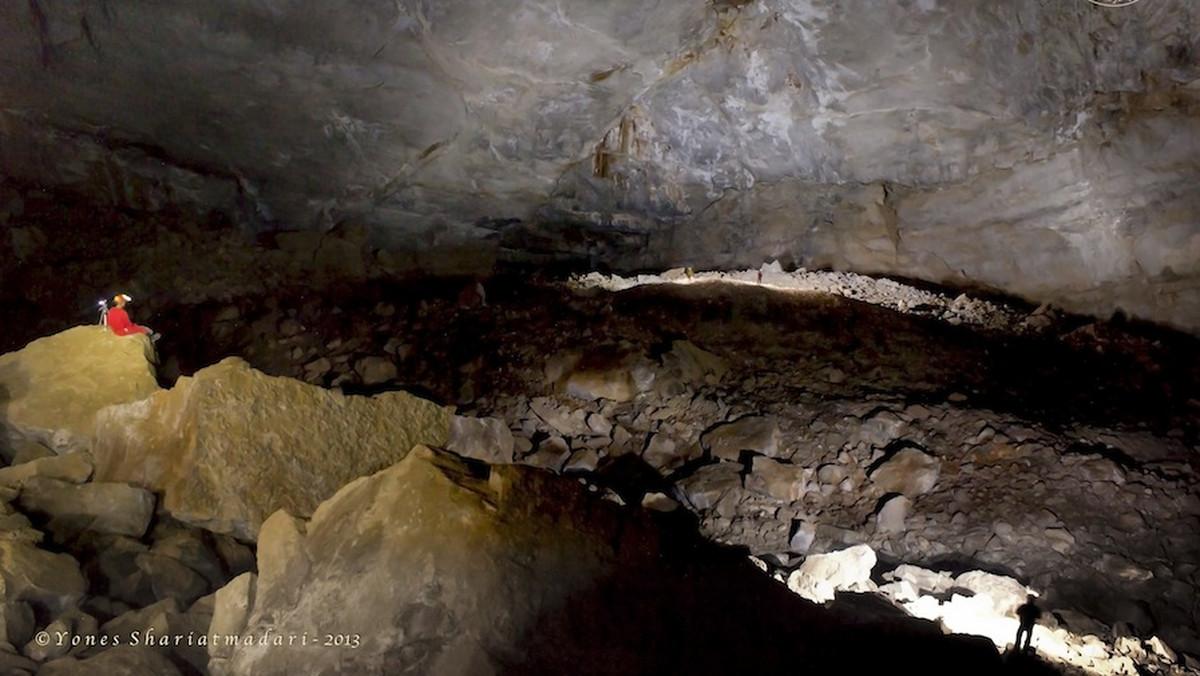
(121, 324)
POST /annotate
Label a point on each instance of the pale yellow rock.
(231, 610)
(51, 389)
(72, 467)
(435, 563)
(281, 557)
(230, 445)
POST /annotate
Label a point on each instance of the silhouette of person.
(1028, 613)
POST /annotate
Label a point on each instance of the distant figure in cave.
(1028, 613)
(118, 319)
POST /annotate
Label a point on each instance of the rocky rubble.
(1099, 527)
(962, 308)
(944, 499)
(930, 461)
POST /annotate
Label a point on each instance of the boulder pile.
(223, 524)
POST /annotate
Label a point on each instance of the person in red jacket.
(118, 318)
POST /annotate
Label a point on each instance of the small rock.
(891, 516)
(822, 575)
(375, 370)
(660, 453)
(487, 439)
(231, 611)
(802, 537)
(71, 467)
(30, 451)
(659, 502)
(289, 327)
(49, 582)
(832, 474)
(115, 508)
(775, 479)
(551, 453)
(1160, 648)
(711, 483)
(567, 422)
(909, 471)
(317, 368)
(170, 579)
(70, 623)
(17, 623)
(1101, 470)
(584, 460)
(759, 434)
(17, 665)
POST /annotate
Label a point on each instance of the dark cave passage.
(442, 339)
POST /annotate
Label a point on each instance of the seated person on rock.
(118, 319)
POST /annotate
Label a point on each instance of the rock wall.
(1045, 149)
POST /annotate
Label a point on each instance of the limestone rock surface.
(51, 389)
(822, 575)
(227, 447)
(452, 563)
(1048, 149)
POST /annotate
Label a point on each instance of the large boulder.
(51, 389)
(434, 565)
(47, 581)
(821, 576)
(230, 445)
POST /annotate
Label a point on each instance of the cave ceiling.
(1049, 149)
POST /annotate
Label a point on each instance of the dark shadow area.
(1102, 373)
(704, 610)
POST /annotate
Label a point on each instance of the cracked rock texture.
(1047, 149)
(230, 445)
